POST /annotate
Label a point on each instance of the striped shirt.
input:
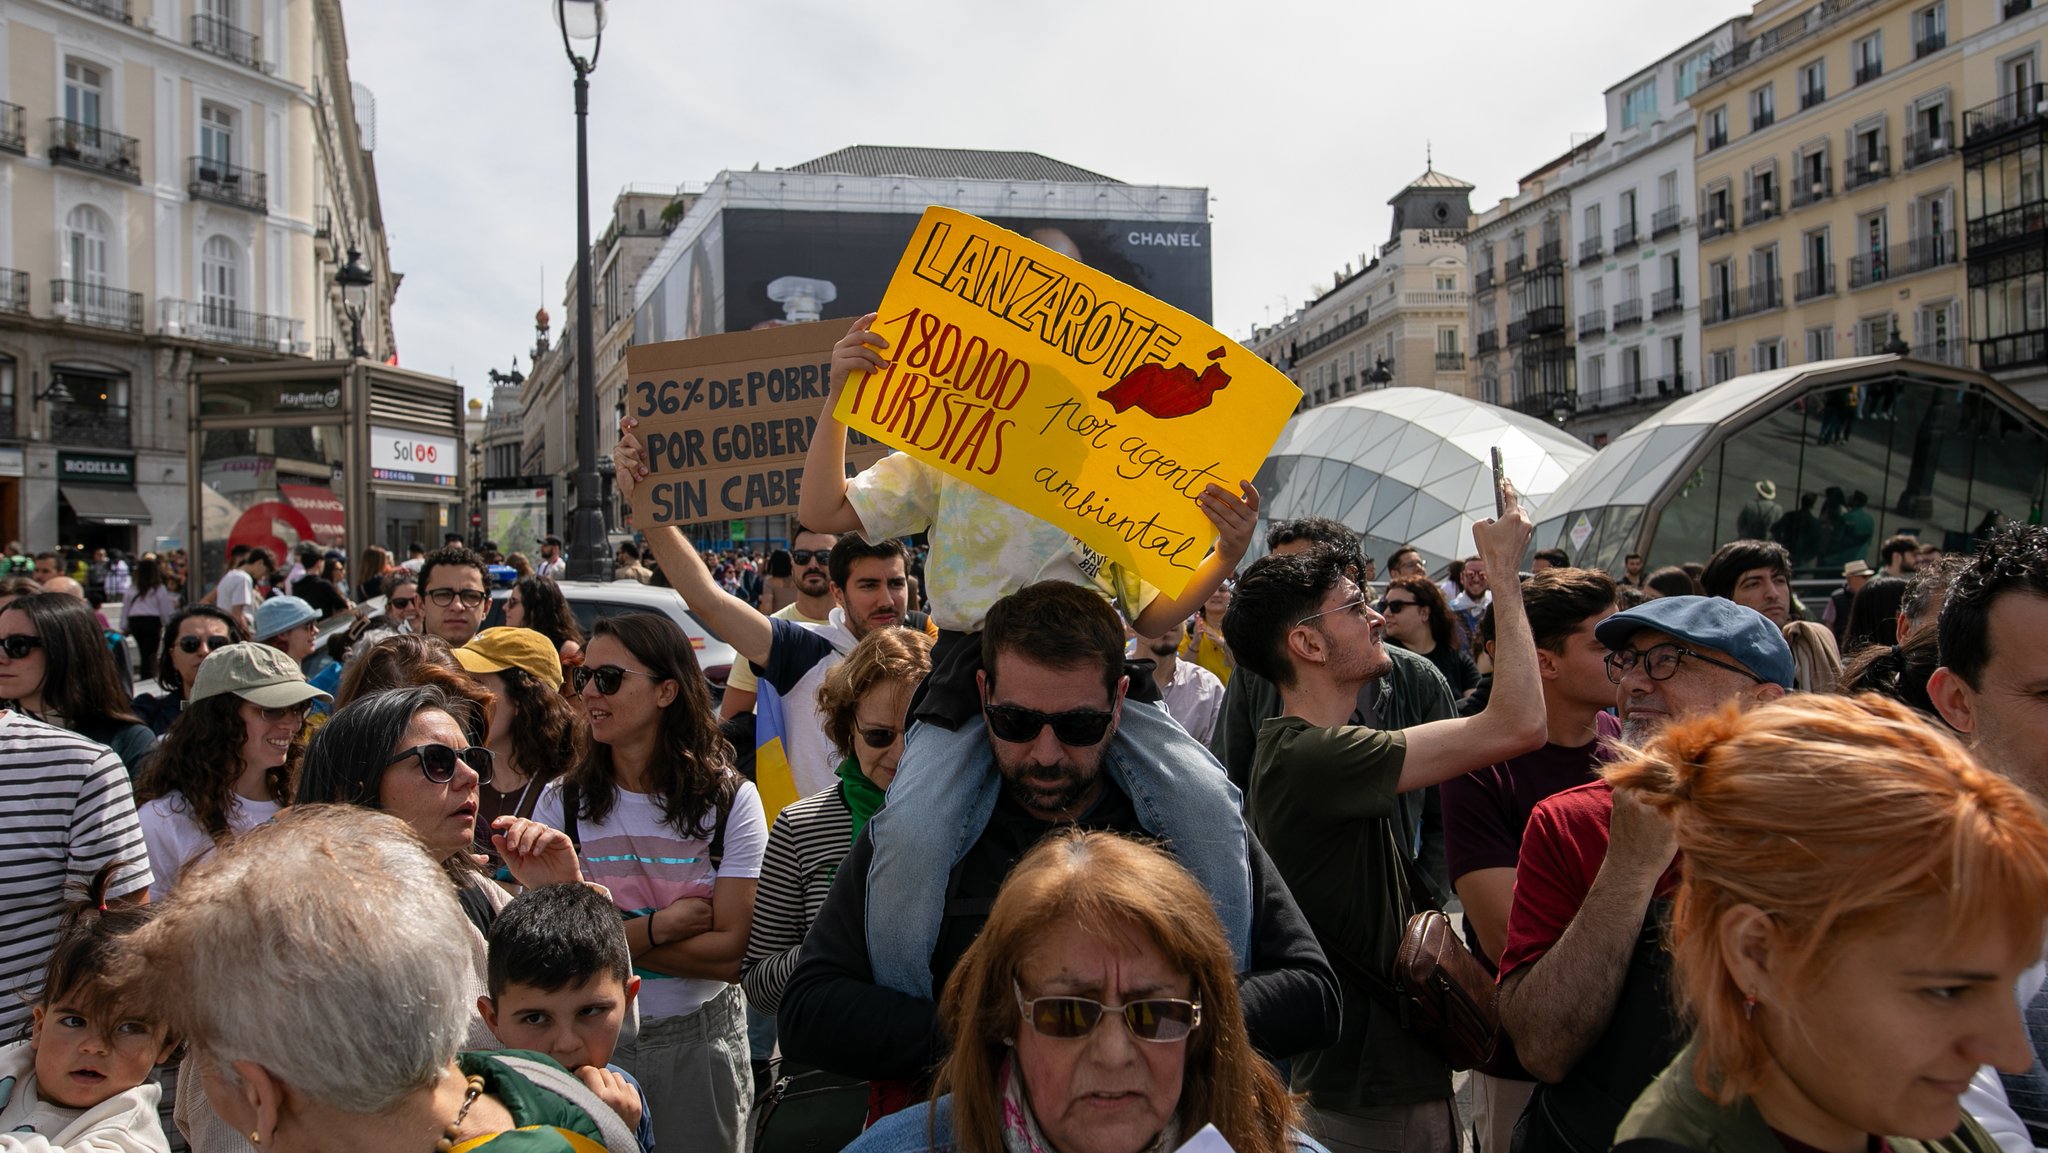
(805, 846)
(65, 810)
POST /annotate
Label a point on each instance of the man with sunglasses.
(452, 594)
(1584, 974)
(862, 1001)
(810, 558)
(1325, 800)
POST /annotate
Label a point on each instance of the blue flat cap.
(1710, 622)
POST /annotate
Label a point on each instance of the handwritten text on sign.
(1066, 393)
(726, 420)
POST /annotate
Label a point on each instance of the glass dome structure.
(1410, 466)
(1827, 458)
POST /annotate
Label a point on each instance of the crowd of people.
(1028, 855)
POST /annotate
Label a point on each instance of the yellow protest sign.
(1065, 393)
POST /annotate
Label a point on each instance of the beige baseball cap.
(258, 673)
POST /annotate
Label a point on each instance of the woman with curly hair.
(409, 660)
(863, 703)
(229, 763)
(535, 731)
(537, 603)
(663, 821)
(1859, 899)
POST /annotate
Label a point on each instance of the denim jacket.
(945, 791)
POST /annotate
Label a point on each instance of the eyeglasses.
(18, 645)
(1392, 608)
(608, 677)
(1357, 606)
(296, 712)
(807, 555)
(1020, 726)
(191, 644)
(879, 736)
(402, 602)
(1158, 1019)
(471, 598)
(1660, 662)
(437, 762)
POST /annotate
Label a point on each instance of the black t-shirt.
(1011, 833)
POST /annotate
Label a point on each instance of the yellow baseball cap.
(495, 650)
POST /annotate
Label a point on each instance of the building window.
(1720, 365)
(1872, 334)
(1717, 127)
(1446, 282)
(216, 133)
(1763, 107)
(1813, 83)
(1667, 191)
(1820, 343)
(1639, 104)
(1690, 71)
(1930, 29)
(85, 245)
(219, 268)
(1448, 342)
(84, 92)
(1592, 228)
(2009, 309)
(1767, 355)
(1866, 57)
(1596, 373)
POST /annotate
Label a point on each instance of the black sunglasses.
(805, 555)
(1020, 726)
(18, 645)
(470, 597)
(608, 677)
(191, 644)
(402, 602)
(879, 737)
(437, 762)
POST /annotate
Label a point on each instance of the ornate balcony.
(111, 9)
(1545, 320)
(1916, 255)
(1450, 362)
(1718, 220)
(1929, 45)
(1929, 145)
(1625, 235)
(1482, 280)
(78, 145)
(1868, 71)
(13, 129)
(14, 290)
(2013, 110)
(1592, 323)
(1718, 308)
(1517, 264)
(1667, 301)
(1758, 207)
(1590, 250)
(212, 34)
(224, 183)
(1869, 167)
(1815, 282)
(1628, 312)
(1664, 222)
(96, 304)
(1812, 188)
(218, 323)
(1485, 341)
(1550, 254)
(1760, 296)
(89, 425)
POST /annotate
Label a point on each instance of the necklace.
(447, 1142)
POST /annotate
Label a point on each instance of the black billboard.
(857, 252)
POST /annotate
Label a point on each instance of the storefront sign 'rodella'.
(1066, 393)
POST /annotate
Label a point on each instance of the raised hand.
(535, 853)
(1234, 517)
(858, 351)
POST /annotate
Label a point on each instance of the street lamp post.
(583, 21)
(355, 282)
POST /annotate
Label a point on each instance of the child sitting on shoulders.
(81, 1079)
(560, 983)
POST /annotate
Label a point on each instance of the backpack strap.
(727, 793)
(572, 799)
(563, 1084)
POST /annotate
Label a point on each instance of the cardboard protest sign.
(1066, 393)
(726, 421)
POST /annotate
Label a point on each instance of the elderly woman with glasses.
(230, 761)
(665, 823)
(327, 1013)
(1097, 1012)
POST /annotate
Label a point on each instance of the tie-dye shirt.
(982, 549)
(648, 865)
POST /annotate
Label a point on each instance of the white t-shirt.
(648, 865)
(175, 839)
(235, 589)
(65, 810)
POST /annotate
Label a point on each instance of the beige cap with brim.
(258, 673)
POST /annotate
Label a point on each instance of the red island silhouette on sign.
(1165, 393)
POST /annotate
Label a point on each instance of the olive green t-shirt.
(1323, 803)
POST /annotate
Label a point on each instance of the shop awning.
(110, 504)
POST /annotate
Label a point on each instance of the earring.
(1749, 1006)
(255, 1138)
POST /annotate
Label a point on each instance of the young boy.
(561, 982)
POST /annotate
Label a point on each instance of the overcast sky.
(1301, 118)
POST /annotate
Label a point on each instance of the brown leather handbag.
(1442, 993)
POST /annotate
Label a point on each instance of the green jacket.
(1673, 1109)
